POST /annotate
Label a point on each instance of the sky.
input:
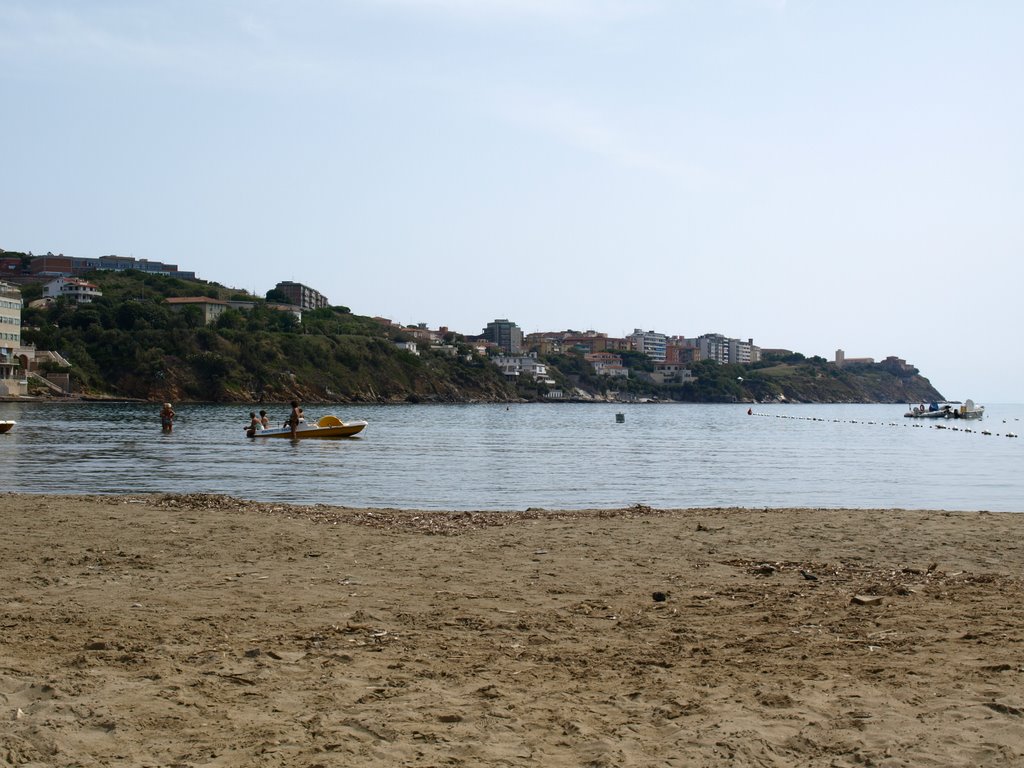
(812, 175)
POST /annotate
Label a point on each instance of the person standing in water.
(294, 417)
(167, 418)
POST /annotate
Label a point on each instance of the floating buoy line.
(915, 425)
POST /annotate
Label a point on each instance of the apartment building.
(506, 335)
(650, 343)
(743, 352)
(302, 295)
(556, 342)
(545, 342)
(678, 351)
(12, 382)
(715, 346)
(592, 341)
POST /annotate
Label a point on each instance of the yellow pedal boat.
(327, 426)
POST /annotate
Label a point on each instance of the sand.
(208, 631)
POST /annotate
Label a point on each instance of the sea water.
(514, 457)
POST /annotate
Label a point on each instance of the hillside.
(795, 380)
(131, 344)
(814, 380)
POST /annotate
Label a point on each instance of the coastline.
(206, 630)
(399, 401)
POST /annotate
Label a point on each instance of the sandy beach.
(208, 631)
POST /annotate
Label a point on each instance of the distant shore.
(197, 629)
(645, 401)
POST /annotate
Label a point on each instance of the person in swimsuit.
(254, 425)
(167, 418)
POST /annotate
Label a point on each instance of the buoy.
(620, 417)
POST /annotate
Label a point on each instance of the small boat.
(971, 411)
(933, 411)
(6, 426)
(967, 410)
(327, 426)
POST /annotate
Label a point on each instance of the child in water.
(167, 418)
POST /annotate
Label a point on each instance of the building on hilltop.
(592, 341)
(78, 291)
(743, 352)
(294, 309)
(678, 351)
(900, 363)
(56, 266)
(557, 342)
(544, 342)
(650, 343)
(11, 266)
(53, 266)
(211, 308)
(715, 346)
(214, 308)
(420, 332)
(506, 335)
(712, 346)
(842, 359)
(302, 295)
(122, 263)
(387, 324)
(892, 362)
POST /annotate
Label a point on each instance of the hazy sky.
(812, 175)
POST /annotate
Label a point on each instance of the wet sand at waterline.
(207, 631)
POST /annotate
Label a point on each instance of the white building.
(516, 366)
(743, 352)
(650, 343)
(715, 346)
(77, 290)
(607, 364)
(12, 378)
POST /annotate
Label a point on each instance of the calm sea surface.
(555, 456)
